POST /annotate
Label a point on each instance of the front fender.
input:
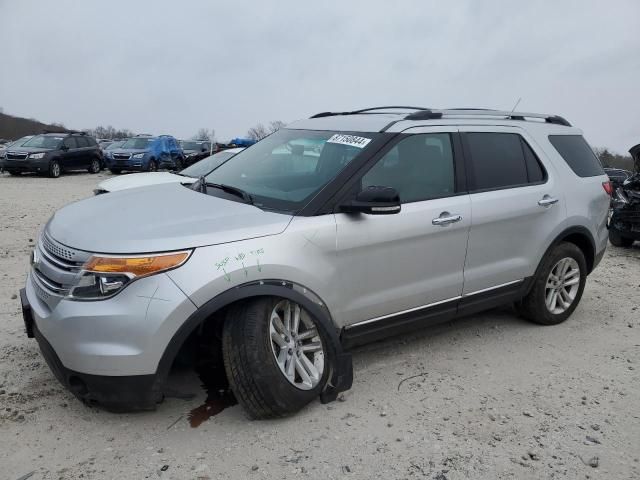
(341, 376)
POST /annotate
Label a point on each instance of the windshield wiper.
(246, 196)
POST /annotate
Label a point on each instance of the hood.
(29, 149)
(129, 150)
(135, 180)
(159, 218)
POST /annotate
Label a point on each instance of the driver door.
(396, 265)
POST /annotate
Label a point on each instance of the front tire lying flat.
(558, 286)
(274, 356)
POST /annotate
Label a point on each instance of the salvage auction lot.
(491, 396)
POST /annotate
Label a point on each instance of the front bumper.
(26, 165)
(134, 164)
(107, 352)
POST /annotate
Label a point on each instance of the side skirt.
(403, 322)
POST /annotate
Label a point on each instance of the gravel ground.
(487, 397)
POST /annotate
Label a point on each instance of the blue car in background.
(145, 153)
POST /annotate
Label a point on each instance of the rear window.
(578, 154)
(501, 160)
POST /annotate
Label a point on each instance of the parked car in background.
(54, 153)
(187, 176)
(146, 153)
(617, 175)
(195, 150)
(278, 262)
(6, 146)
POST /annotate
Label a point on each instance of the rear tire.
(95, 166)
(249, 345)
(54, 169)
(558, 286)
(618, 240)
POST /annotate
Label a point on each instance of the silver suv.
(338, 230)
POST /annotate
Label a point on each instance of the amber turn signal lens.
(137, 266)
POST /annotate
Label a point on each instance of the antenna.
(517, 103)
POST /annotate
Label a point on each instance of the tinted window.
(70, 142)
(92, 141)
(535, 173)
(578, 154)
(419, 167)
(497, 161)
(82, 142)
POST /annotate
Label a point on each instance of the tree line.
(257, 132)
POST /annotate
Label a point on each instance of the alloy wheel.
(296, 345)
(55, 169)
(562, 285)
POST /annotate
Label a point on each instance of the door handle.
(446, 218)
(547, 201)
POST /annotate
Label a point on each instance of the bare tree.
(204, 134)
(275, 125)
(257, 132)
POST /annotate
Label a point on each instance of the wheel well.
(584, 243)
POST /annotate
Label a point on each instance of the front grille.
(55, 268)
(17, 155)
(121, 156)
(56, 250)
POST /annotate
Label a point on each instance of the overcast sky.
(175, 66)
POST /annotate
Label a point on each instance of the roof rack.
(366, 110)
(481, 112)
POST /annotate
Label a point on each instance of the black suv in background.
(195, 150)
(53, 153)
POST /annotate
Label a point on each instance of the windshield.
(44, 141)
(137, 143)
(207, 165)
(114, 145)
(286, 169)
(193, 145)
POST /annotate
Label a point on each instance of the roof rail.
(366, 110)
(422, 113)
(481, 112)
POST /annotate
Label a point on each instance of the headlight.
(103, 276)
(139, 155)
(36, 156)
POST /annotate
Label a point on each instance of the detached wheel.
(274, 356)
(95, 166)
(558, 286)
(618, 240)
(54, 169)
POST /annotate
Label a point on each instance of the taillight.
(608, 187)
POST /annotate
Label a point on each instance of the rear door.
(69, 155)
(84, 152)
(395, 265)
(517, 204)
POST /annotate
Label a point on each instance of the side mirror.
(374, 200)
